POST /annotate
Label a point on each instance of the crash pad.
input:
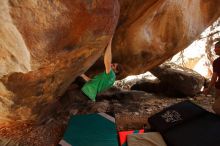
(187, 124)
(90, 130)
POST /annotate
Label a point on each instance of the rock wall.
(14, 54)
(150, 32)
(46, 44)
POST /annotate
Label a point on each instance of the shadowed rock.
(45, 45)
(183, 80)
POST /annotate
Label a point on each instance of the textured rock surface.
(186, 81)
(153, 31)
(45, 44)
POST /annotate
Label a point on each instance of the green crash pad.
(90, 130)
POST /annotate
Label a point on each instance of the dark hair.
(119, 69)
(217, 45)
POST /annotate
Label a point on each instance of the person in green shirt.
(102, 81)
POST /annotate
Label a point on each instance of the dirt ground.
(131, 109)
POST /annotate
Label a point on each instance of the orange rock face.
(59, 40)
(150, 32)
(46, 44)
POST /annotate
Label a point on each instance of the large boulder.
(183, 80)
(44, 46)
(151, 31)
(157, 88)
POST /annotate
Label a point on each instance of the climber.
(215, 80)
(104, 80)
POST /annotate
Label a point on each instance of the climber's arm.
(108, 57)
(85, 77)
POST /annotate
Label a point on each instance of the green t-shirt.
(98, 84)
